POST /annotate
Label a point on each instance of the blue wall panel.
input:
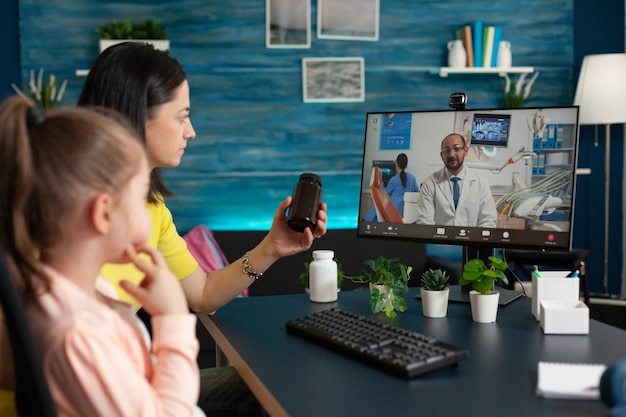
(255, 135)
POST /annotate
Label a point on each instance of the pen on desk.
(536, 271)
(575, 272)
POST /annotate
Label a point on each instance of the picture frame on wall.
(333, 80)
(356, 20)
(288, 23)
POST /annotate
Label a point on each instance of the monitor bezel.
(472, 236)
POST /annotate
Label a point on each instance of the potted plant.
(47, 94)
(482, 276)
(388, 279)
(149, 31)
(435, 292)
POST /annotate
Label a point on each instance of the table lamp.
(601, 96)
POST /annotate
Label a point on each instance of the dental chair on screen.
(32, 396)
(385, 210)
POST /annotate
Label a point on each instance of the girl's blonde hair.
(49, 162)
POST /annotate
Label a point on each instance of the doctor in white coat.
(470, 205)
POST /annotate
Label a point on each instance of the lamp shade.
(601, 90)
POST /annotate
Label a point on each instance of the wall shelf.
(444, 71)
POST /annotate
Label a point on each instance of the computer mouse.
(613, 386)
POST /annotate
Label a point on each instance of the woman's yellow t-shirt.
(166, 239)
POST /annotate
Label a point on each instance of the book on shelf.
(497, 37)
(477, 38)
(488, 32)
(465, 34)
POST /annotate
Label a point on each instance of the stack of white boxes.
(556, 304)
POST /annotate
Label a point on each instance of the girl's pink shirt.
(97, 355)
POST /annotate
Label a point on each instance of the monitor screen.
(491, 129)
(387, 168)
(516, 196)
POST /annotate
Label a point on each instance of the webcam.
(458, 101)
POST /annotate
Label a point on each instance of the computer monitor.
(530, 181)
(387, 168)
(491, 129)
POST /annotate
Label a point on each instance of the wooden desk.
(291, 376)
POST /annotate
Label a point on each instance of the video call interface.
(526, 156)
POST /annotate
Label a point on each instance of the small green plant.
(483, 276)
(435, 280)
(304, 276)
(145, 29)
(47, 94)
(393, 276)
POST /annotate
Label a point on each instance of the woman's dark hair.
(402, 161)
(134, 78)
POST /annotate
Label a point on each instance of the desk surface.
(291, 376)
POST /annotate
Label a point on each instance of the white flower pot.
(161, 44)
(385, 290)
(435, 303)
(484, 306)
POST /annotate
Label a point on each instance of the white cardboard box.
(553, 286)
(564, 317)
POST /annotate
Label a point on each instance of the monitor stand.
(473, 252)
(481, 252)
(460, 293)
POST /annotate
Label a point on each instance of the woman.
(399, 184)
(151, 89)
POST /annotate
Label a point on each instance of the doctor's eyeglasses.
(453, 148)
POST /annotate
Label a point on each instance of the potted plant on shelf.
(47, 94)
(388, 280)
(434, 293)
(483, 298)
(150, 31)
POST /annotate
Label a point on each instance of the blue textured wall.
(255, 135)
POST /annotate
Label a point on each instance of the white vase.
(505, 59)
(160, 44)
(457, 57)
(385, 290)
(484, 306)
(435, 303)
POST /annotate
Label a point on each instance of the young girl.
(73, 190)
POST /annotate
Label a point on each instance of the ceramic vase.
(435, 303)
(160, 44)
(505, 58)
(384, 289)
(484, 306)
(457, 57)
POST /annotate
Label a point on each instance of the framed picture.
(288, 23)
(348, 19)
(337, 80)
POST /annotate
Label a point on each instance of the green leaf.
(378, 299)
(482, 286)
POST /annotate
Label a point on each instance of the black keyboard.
(391, 348)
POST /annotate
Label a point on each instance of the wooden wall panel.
(255, 135)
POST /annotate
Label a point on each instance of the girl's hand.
(159, 291)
